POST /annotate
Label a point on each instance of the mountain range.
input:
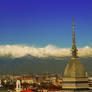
(32, 64)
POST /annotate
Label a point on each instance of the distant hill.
(31, 64)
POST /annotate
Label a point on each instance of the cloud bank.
(19, 51)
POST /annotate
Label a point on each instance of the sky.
(45, 22)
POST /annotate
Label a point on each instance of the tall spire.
(74, 48)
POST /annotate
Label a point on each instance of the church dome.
(75, 68)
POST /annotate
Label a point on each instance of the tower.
(18, 85)
(75, 77)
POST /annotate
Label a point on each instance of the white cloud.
(50, 50)
(86, 51)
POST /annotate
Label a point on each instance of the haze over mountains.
(29, 59)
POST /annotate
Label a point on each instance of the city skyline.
(42, 23)
(45, 45)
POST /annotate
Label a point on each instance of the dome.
(74, 68)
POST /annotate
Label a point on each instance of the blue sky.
(43, 22)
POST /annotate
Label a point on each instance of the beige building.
(75, 77)
(27, 80)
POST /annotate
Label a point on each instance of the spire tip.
(74, 49)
